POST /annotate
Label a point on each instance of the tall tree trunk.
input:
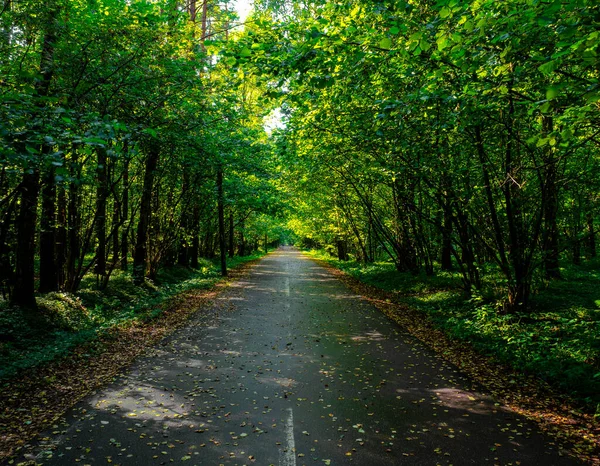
(114, 231)
(74, 223)
(520, 287)
(242, 243)
(101, 195)
(192, 10)
(550, 195)
(48, 271)
(370, 238)
(140, 256)
(231, 235)
(591, 236)
(23, 292)
(154, 244)
(195, 249)
(577, 228)
(61, 237)
(446, 253)
(182, 256)
(221, 214)
(342, 249)
(125, 212)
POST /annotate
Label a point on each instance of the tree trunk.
(154, 232)
(520, 286)
(182, 256)
(48, 272)
(140, 256)
(550, 244)
(61, 237)
(23, 292)
(242, 243)
(342, 249)
(195, 249)
(125, 212)
(74, 224)
(446, 253)
(591, 237)
(192, 10)
(114, 231)
(221, 213)
(231, 235)
(101, 195)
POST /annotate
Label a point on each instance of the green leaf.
(246, 52)
(445, 12)
(545, 107)
(592, 97)
(551, 92)
(231, 61)
(385, 43)
(548, 67)
(442, 43)
(566, 134)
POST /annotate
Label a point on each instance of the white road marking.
(286, 287)
(287, 456)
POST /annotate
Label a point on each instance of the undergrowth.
(558, 339)
(67, 320)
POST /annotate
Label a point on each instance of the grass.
(67, 320)
(558, 339)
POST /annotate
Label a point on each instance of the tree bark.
(195, 249)
(74, 223)
(140, 256)
(23, 292)
(242, 241)
(231, 235)
(342, 249)
(48, 271)
(221, 214)
(591, 237)
(519, 287)
(125, 212)
(61, 237)
(446, 253)
(550, 244)
(183, 253)
(101, 195)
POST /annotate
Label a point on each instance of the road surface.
(292, 368)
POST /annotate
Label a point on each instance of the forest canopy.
(437, 135)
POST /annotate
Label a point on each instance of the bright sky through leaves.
(243, 8)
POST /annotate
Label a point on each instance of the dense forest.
(438, 136)
(124, 144)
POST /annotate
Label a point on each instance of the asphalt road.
(291, 368)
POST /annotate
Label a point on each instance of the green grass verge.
(558, 340)
(71, 319)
